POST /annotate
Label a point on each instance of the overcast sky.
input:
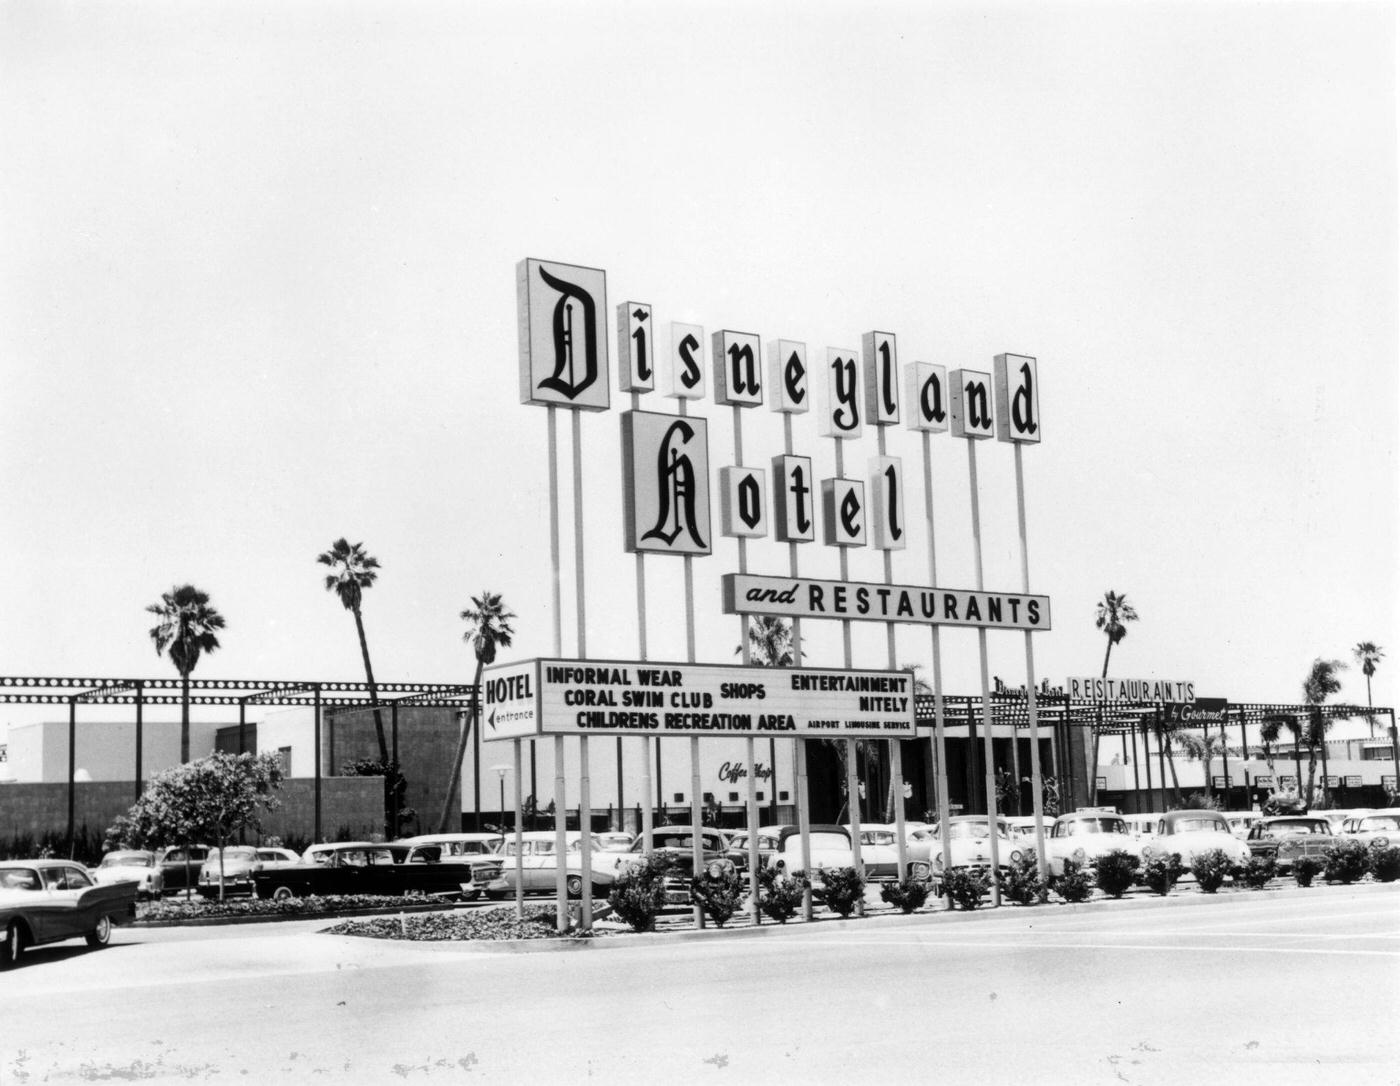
(258, 292)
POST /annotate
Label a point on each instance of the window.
(284, 760)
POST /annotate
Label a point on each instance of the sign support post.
(1037, 791)
(585, 810)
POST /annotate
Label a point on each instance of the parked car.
(1023, 827)
(1188, 834)
(239, 863)
(539, 863)
(1141, 825)
(1241, 821)
(477, 853)
(364, 869)
(970, 845)
(614, 840)
(47, 901)
(132, 865)
(738, 850)
(879, 854)
(1084, 836)
(1288, 838)
(830, 847)
(1379, 829)
(319, 854)
(676, 844)
(179, 866)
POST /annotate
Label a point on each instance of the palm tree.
(354, 572)
(1321, 683)
(1167, 733)
(1270, 728)
(488, 629)
(186, 629)
(1202, 748)
(770, 641)
(1112, 612)
(1368, 654)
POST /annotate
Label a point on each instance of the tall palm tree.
(1319, 685)
(1202, 748)
(488, 629)
(1110, 616)
(770, 641)
(186, 631)
(354, 571)
(1368, 654)
(1270, 728)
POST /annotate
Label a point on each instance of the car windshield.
(876, 837)
(1080, 827)
(128, 859)
(20, 879)
(1380, 822)
(1197, 825)
(970, 831)
(679, 841)
(237, 853)
(1301, 825)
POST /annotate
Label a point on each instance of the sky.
(257, 292)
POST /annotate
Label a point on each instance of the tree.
(354, 571)
(1110, 616)
(1270, 728)
(1368, 654)
(207, 800)
(770, 641)
(488, 629)
(1203, 748)
(186, 630)
(1167, 733)
(1319, 685)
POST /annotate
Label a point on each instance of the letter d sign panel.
(665, 483)
(1018, 398)
(562, 314)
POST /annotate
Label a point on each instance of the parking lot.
(1283, 986)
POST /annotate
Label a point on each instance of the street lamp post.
(501, 771)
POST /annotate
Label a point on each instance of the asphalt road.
(1276, 987)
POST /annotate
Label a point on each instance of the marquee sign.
(1095, 689)
(1201, 711)
(805, 597)
(608, 697)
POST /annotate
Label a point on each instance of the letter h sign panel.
(665, 483)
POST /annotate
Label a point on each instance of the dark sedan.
(1288, 838)
(47, 901)
(676, 845)
(366, 869)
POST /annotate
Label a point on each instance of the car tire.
(101, 934)
(13, 945)
(573, 885)
(283, 893)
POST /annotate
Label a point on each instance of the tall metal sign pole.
(927, 387)
(561, 310)
(972, 420)
(888, 531)
(1018, 422)
(738, 363)
(843, 527)
(794, 522)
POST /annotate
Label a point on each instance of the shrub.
(1161, 872)
(966, 887)
(1385, 864)
(1305, 870)
(780, 893)
(1115, 871)
(1210, 869)
(1259, 870)
(1023, 883)
(1347, 861)
(719, 895)
(1074, 885)
(639, 893)
(844, 887)
(907, 895)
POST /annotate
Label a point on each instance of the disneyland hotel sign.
(669, 487)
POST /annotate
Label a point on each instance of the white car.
(131, 865)
(1189, 834)
(1378, 829)
(1084, 836)
(1241, 822)
(539, 863)
(970, 845)
(880, 856)
(239, 863)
